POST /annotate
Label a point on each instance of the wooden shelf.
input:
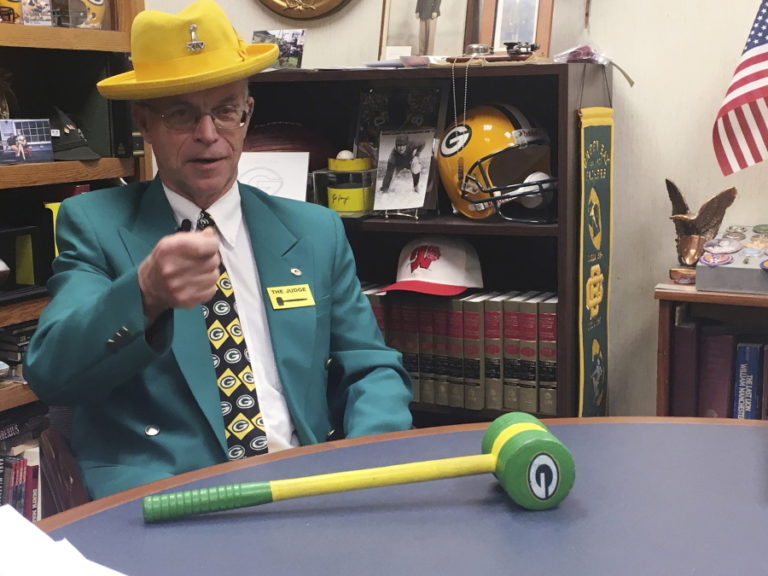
(44, 173)
(55, 38)
(23, 311)
(682, 293)
(15, 394)
(451, 225)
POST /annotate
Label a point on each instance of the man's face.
(199, 163)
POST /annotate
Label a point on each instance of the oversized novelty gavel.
(535, 469)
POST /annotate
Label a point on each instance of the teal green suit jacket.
(145, 412)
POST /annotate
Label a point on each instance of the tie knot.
(204, 220)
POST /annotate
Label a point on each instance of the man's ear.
(140, 119)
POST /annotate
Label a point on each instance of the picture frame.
(408, 30)
(492, 22)
(290, 44)
(403, 167)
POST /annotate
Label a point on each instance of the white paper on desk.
(36, 553)
(281, 174)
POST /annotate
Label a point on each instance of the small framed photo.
(403, 169)
(25, 141)
(422, 28)
(494, 22)
(36, 12)
(289, 42)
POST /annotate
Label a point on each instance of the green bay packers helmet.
(497, 160)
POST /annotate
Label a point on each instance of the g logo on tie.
(232, 356)
(217, 334)
(221, 308)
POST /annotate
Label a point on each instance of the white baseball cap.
(437, 265)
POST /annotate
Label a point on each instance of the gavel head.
(535, 469)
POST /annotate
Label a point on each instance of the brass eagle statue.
(694, 229)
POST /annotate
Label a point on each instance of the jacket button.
(328, 363)
(151, 430)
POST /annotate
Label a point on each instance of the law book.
(547, 365)
(747, 380)
(528, 390)
(716, 360)
(440, 311)
(683, 374)
(511, 349)
(456, 352)
(426, 347)
(494, 352)
(407, 302)
(474, 352)
(32, 505)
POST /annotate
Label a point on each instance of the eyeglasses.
(183, 118)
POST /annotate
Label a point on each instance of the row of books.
(718, 370)
(480, 350)
(20, 478)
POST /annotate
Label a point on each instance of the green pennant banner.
(595, 250)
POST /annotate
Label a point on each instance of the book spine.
(440, 311)
(683, 385)
(493, 327)
(426, 350)
(456, 353)
(31, 493)
(529, 357)
(474, 355)
(410, 348)
(765, 383)
(511, 352)
(747, 374)
(547, 363)
(716, 360)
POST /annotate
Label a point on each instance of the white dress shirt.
(237, 254)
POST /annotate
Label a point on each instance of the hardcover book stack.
(480, 350)
(14, 340)
(718, 370)
(20, 479)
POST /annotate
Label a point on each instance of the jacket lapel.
(279, 256)
(190, 346)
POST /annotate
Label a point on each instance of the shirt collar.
(226, 211)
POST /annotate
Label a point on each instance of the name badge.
(296, 296)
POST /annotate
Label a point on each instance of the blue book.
(747, 380)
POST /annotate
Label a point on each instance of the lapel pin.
(296, 271)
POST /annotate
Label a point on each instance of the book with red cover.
(684, 367)
(547, 365)
(456, 352)
(716, 357)
(440, 309)
(511, 348)
(528, 391)
(494, 353)
(426, 347)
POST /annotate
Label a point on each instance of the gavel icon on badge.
(533, 467)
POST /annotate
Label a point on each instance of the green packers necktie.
(243, 423)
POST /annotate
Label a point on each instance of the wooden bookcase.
(729, 306)
(513, 256)
(66, 63)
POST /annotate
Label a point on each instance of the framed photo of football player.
(403, 169)
(422, 28)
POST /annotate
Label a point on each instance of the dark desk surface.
(652, 496)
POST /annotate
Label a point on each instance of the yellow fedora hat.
(196, 49)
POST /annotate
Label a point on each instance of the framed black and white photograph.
(25, 141)
(422, 28)
(494, 22)
(403, 169)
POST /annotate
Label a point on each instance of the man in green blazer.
(124, 339)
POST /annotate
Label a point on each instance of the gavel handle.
(172, 505)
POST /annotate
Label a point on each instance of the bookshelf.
(730, 306)
(65, 61)
(513, 255)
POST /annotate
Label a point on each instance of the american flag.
(740, 134)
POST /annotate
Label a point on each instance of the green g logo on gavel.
(535, 469)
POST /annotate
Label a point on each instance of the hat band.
(186, 66)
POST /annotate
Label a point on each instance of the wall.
(681, 56)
